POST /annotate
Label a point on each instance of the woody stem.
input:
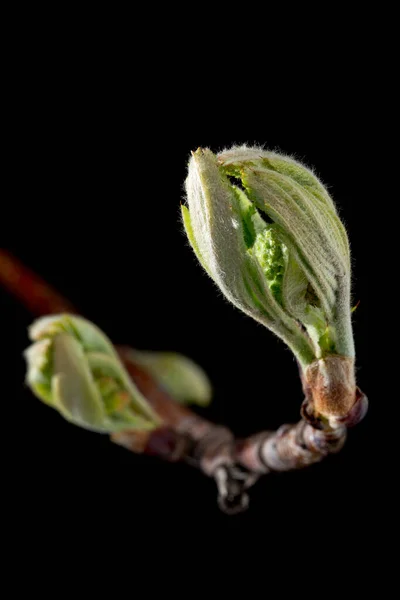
(184, 436)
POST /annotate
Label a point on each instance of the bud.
(267, 232)
(182, 379)
(73, 367)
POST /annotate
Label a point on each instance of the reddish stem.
(30, 289)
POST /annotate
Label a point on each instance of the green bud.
(73, 367)
(267, 232)
(180, 377)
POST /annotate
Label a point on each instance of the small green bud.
(267, 232)
(181, 378)
(73, 367)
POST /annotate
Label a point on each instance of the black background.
(97, 161)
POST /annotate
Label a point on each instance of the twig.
(30, 289)
(234, 464)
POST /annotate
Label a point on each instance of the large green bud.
(267, 232)
(73, 367)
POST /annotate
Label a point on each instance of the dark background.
(97, 164)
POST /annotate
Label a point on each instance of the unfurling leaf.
(73, 367)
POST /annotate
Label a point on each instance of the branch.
(31, 290)
(184, 436)
(235, 464)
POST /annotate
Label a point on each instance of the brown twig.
(184, 436)
(235, 464)
(30, 289)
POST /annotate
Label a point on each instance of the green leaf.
(75, 393)
(189, 232)
(102, 365)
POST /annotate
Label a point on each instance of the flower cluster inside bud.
(271, 254)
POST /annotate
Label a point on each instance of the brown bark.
(331, 383)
